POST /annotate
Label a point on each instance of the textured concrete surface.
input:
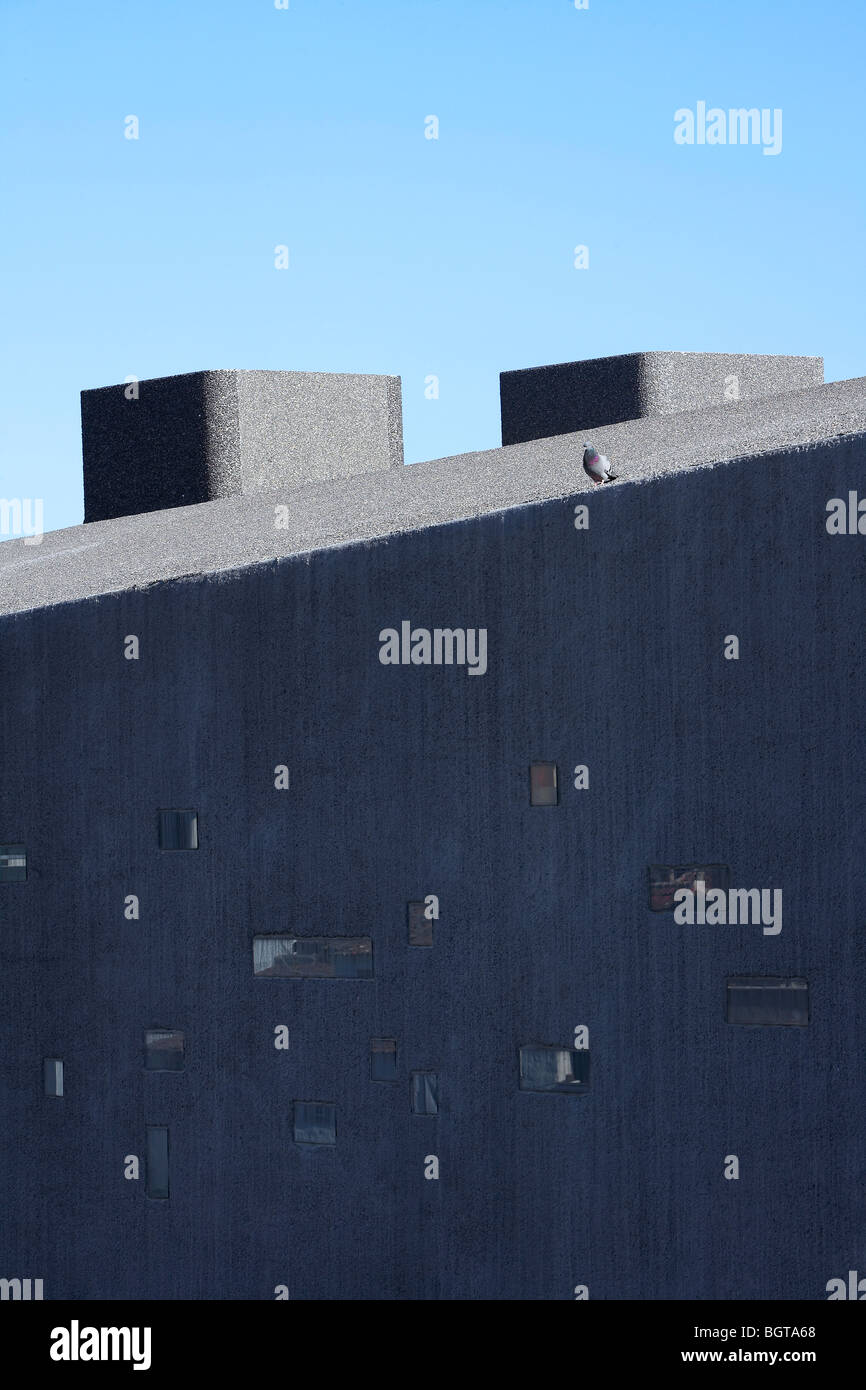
(605, 649)
(194, 438)
(137, 551)
(572, 396)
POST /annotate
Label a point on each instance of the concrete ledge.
(540, 402)
(131, 551)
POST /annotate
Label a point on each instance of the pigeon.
(597, 466)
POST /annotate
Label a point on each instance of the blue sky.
(305, 127)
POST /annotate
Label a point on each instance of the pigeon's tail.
(612, 477)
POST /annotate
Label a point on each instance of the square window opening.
(315, 1122)
(178, 830)
(163, 1050)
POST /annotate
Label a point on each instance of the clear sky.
(305, 127)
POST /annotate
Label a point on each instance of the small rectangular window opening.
(767, 1001)
(383, 1059)
(543, 790)
(420, 927)
(666, 879)
(13, 864)
(425, 1093)
(313, 957)
(163, 1050)
(157, 1162)
(315, 1122)
(178, 830)
(52, 1072)
(560, 1069)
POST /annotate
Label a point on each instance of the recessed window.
(178, 829)
(768, 1001)
(425, 1093)
(315, 1122)
(543, 789)
(52, 1074)
(420, 927)
(13, 863)
(157, 1161)
(313, 957)
(667, 879)
(383, 1059)
(561, 1069)
(163, 1050)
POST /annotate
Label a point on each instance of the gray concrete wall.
(606, 650)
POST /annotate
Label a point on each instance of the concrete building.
(336, 969)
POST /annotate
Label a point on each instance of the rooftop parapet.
(177, 440)
(539, 402)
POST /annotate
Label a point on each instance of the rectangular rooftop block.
(177, 440)
(571, 397)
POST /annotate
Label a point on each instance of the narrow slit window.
(163, 1050)
(425, 1093)
(13, 864)
(157, 1161)
(313, 957)
(666, 879)
(768, 1001)
(543, 784)
(420, 927)
(383, 1059)
(315, 1122)
(52, 1074)
(549, 1069)
(178, 830)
